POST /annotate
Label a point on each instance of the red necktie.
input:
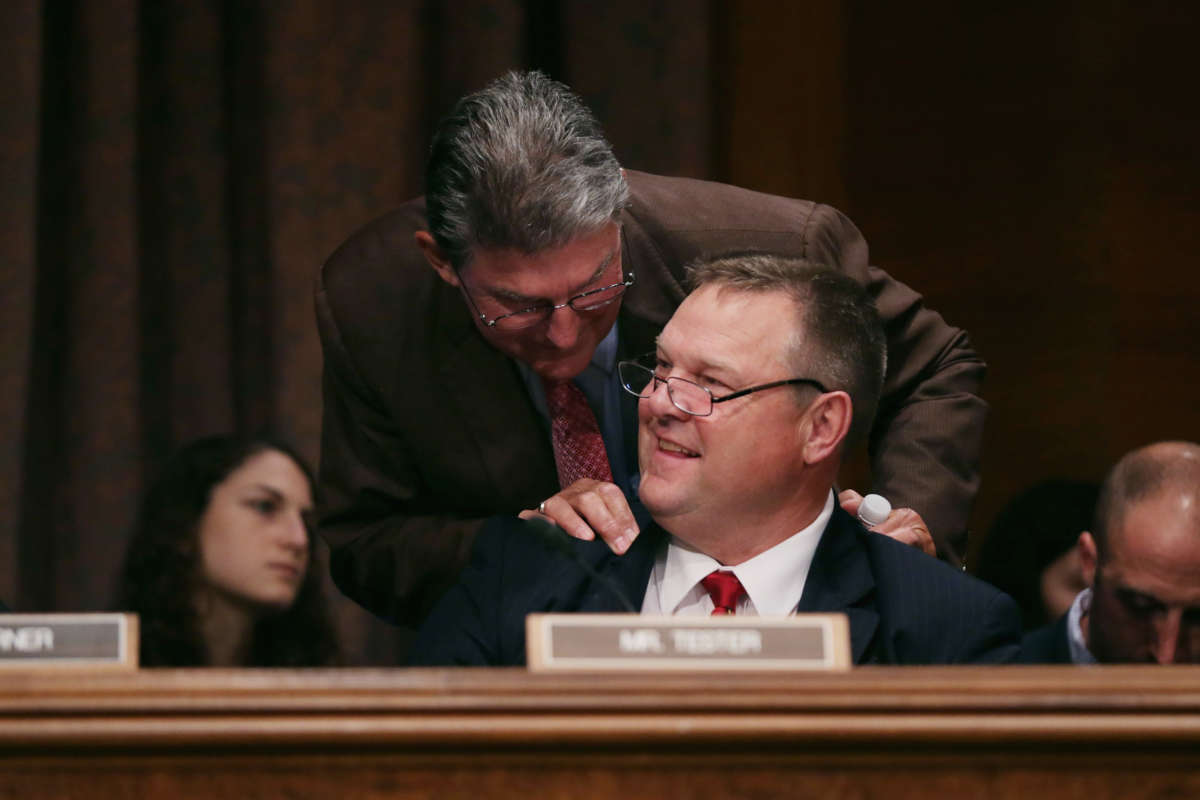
(578, 446)
(725, 589)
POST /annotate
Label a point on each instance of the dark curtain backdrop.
(172, 174)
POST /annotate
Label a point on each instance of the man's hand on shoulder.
(588, 508)
(903, 524)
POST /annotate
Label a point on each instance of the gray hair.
(838, 339)
(521, 164)
(1144, 474)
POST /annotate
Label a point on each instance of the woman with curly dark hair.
(219, 569)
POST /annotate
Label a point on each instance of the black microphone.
(559, 540)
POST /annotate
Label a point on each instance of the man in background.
(470, 342)
(1141, 561)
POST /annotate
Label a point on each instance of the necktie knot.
(575, 435)
(725, 590)
(558, 395)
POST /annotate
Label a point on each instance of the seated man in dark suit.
(1141, 561)
(759, 379)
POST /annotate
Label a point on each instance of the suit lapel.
(631, 572)
(840, 580)
(484, 393)
(1062, 647)
(638, 335)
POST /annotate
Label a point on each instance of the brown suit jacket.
(428, 430)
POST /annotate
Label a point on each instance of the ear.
(433, 254)
(1088, 558)
(828, 422)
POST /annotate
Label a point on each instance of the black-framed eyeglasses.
(582, 303)
(689, 396)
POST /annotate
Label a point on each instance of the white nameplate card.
(36, 641)
(634, 642)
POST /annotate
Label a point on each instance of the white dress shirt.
(1075, 643)
(773, 579)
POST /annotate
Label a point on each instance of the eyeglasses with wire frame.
(689, 396)
(582, 303)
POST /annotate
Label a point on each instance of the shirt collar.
(774, 579)
(591, 380)
(605, 357)
(1075, 641)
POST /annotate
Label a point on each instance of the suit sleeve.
(384, 554)
(464, 627)
(996, 636)
(925, 442)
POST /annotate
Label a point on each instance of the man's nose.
(562, 328)
(660, 405)
(1166, 646)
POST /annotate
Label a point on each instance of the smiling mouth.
(671, 447)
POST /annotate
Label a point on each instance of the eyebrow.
(1131, 592)
(276, 494)
(517, 297)
(1128, 592)
(722, 372)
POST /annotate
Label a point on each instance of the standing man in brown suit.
(533, 264)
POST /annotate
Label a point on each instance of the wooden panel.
(1032, 170)
(783, 88)
(873, 732)
(643, 68)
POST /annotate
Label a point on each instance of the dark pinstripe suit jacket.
(1047, 645)
(904, 607)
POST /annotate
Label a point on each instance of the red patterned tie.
(725, 590)
(578, 445)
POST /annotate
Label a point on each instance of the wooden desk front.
(874, 732)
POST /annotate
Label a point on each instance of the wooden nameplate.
(66, 641)
(606, 642)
